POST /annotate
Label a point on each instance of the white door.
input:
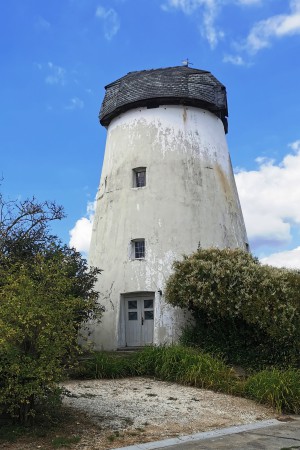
(139, 320)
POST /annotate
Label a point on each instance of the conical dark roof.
(167, 86)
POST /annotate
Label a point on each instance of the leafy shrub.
(253, 305)
(46, 292)
(278, 388)
(238, 343)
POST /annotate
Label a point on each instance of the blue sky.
(58, 55)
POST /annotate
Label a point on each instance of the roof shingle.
(171, 85)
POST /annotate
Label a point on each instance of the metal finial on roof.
(187, 63)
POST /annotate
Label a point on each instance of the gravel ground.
(132, 410)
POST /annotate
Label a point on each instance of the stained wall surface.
(190, 199)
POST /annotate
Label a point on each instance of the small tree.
(232, 290)
(46, 293)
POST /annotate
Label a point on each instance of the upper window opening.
(138, 249)
(139, 177)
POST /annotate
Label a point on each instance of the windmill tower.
(166, 186)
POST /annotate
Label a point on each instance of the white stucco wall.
(190, 198)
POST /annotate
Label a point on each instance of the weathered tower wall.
(189, 199)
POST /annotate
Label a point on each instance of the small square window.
(148, 304)
(149, 315)
(139, 177)
(138, 249)
(132, 304)
(132, 315)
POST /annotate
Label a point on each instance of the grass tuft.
(105, 365)
(61, 441)
(186, 366)
(278, 388)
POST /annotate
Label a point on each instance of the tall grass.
(174, 363)
(278, 388)
(186, 366)
(105, 365)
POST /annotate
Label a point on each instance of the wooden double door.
(139, 320)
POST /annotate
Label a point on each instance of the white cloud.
(187, 6)
(288, 258)
(260, 36)
(249, 2)
(80, 235)
(210, 11)
(111, 21)
(75, 103)
(278, 26)
(57, 74)
(270, 198)
(237, 60)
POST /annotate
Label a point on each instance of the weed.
(61, 441)
(114, 436)
(111, 438)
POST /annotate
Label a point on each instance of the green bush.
(238, 343)
(239, 305)
(46, 293)
(278, 388)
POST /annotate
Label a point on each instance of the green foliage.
(278, 388)
(10, 433)
(105, 365)
(238, 343)
(187, 366)
(46, 292)
(173, 363)
(241, 302)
